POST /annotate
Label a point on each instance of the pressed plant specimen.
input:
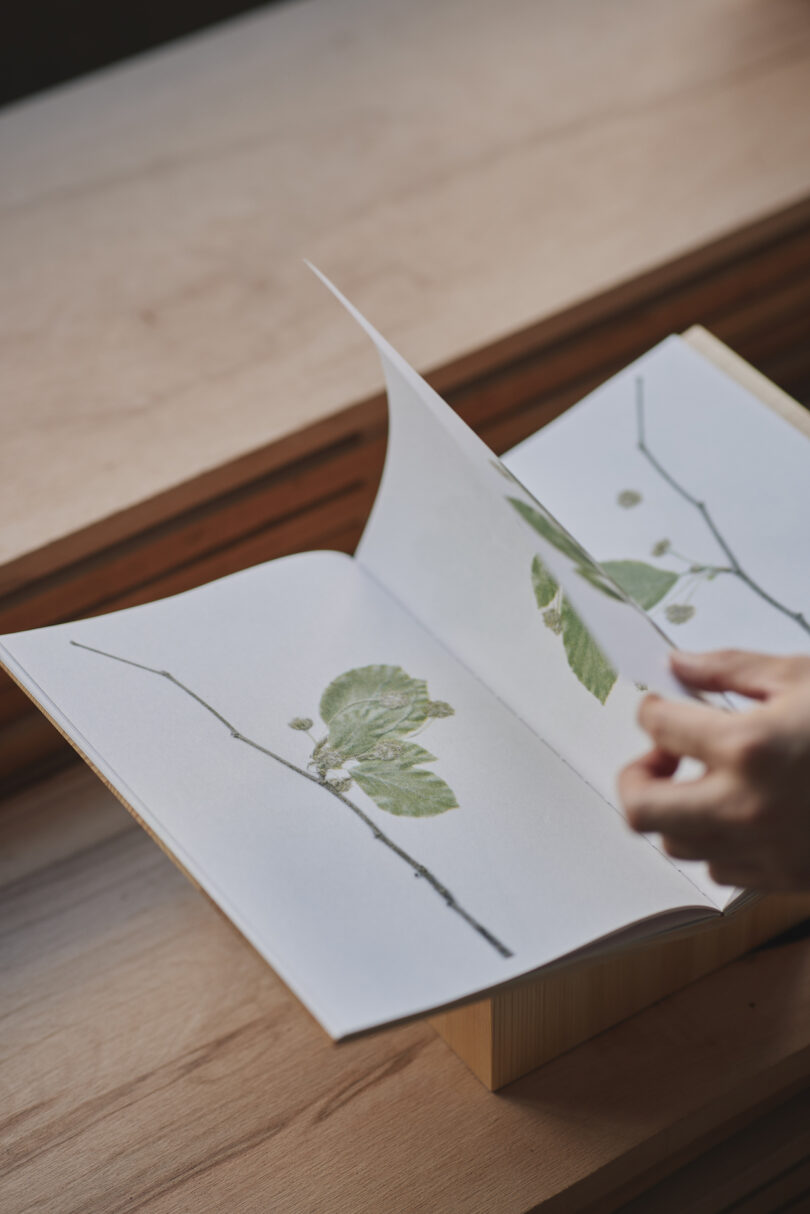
(651, 587)
(371, 715)
(697, 572)
(585, 658)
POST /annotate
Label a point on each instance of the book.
(394, 772)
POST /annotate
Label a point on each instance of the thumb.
(756, 675)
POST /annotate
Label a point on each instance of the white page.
(722, 445)
(530, 852)
(445, 539)
(436, 467)
(719, 444)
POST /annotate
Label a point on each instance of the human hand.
(748, 814)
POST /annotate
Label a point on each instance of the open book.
(395, 772)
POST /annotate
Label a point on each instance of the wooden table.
(522, 196)
(152, 1061)
(464, 171)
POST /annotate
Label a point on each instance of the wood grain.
(762, 1169)
(151, 1061)
(463, 171)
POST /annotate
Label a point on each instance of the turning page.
(661, 494)
(473, 555)
(385, 832)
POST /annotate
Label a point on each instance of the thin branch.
(418, 869)
(735, 567)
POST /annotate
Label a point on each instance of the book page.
(474, 557)
(384, 831)
(678, 478)
(436, 471)
(735, 572)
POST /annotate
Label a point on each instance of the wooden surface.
(152, 1062)
(738, 369)
(519, 1029)
(463, 170)
(762, 1169)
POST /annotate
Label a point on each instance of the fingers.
(655, 764)
(694, 819)
(653, 802)
(684, 728)
(712, 845)
(744, 876)
(756, 675)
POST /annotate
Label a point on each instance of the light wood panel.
(151, 1061)
(537, 1021)
(464, 170)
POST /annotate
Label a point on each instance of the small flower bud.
(340, 785)
(326, 759)
(302, 723)
(628, 498)
(387, 750)
(661, 548)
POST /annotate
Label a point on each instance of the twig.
(735, 567)
(419, 870)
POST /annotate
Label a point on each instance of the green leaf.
(550, 530)
(544, 585)
(413, 754)
(392, 750)
(645, 584)
(585, 657)
(598, 579)
(405, 791)
(556, 535)
(365, 705)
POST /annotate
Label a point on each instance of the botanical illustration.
(649, 586)
(584, 656)
(685, 582)
(370, 716)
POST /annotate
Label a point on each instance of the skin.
(748, 814)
